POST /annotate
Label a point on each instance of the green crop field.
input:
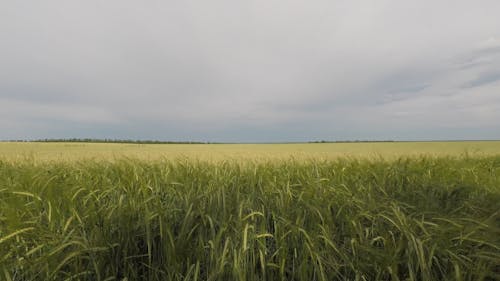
(353, 211)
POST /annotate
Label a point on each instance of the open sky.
(245, 71)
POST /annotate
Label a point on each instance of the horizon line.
(149, 141)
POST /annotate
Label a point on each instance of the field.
(357, 211)
(208, 152)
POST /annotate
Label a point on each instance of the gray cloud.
(484, 78)
(250, 71)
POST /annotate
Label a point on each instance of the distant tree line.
(91, 140)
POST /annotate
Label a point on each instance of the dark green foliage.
(410, 219)
(90, 140)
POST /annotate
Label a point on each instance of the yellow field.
(109, 151)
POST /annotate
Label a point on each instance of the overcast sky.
(267, 70)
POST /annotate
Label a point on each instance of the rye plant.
(416, 218)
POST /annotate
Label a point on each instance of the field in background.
(109, 151)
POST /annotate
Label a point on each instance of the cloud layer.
(250, 70)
